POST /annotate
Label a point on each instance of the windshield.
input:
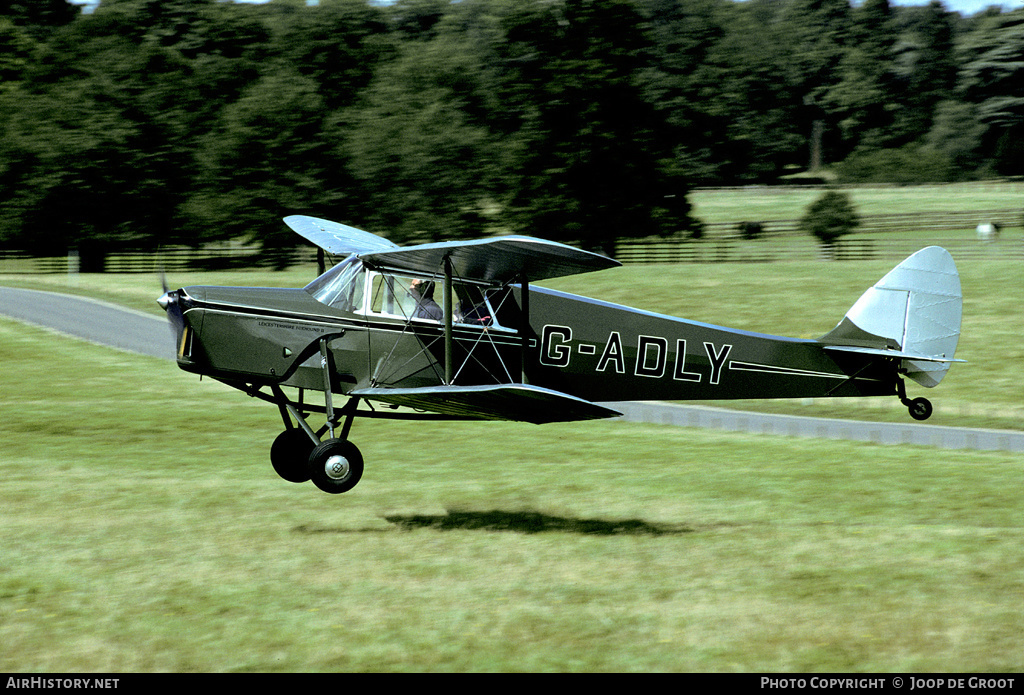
(342, 286)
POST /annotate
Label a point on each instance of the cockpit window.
(410, 298)
(402, 297)
(418, 298)
(341, 287)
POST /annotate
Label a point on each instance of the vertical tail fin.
(914, 310)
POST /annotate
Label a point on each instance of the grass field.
(766, 203)
(144, 529)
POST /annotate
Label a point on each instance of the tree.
(830, 217)
(817, 35)
(15, 54)
(337, 43)
(271, 155)
(924, 69)
(95, 157)
(39, 17)
(990, 81)
(595, 162)
(421, 142)
(865, 100)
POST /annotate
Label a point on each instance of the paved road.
(91, 319)
(147, 334)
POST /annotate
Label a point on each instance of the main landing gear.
(300, 454)
(919, 408)
(334, 464)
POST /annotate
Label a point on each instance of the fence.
(890, 236)
(165, 259)
(893, 222)
(733, 251)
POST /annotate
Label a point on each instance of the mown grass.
(145, 531)
(764, 203)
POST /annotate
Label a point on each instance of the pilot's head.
(423, 288)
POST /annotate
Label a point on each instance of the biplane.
(459, 330)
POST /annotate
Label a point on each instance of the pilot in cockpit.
(426, 308)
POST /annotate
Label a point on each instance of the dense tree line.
(152, 122)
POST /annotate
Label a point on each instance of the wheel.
(335, 465)
(290, 455)
(920, 408)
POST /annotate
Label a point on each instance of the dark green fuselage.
(587, 348)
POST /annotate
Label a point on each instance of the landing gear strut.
(919, 408)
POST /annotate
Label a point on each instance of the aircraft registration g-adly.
(457, 330)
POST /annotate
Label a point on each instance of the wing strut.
(449, 344)
(524, 323)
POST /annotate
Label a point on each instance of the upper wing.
(336, 238)
(496, 260)
(517, 402)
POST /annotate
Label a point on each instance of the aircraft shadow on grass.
(528, 522)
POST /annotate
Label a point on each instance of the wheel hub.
(337, 467)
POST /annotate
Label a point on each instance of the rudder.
(914, 312)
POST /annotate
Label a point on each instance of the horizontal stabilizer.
(891, 353)
(496, 260)
(517, 402)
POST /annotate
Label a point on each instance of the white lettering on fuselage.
(652, 355)
(555, 352)
(717, 359)
(613, 354)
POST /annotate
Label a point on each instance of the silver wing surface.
(497, 260)
(337, 238)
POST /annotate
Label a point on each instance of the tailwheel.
(335, 465)
(920, 408)
(290, 455)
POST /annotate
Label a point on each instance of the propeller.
(168, 301)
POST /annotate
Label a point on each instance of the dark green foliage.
(830, 217)
(596, 159)
(910, 164)
(150, 122)
(39, 17)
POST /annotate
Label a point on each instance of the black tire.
(335, 466)
(289, 455)
(920, 408)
